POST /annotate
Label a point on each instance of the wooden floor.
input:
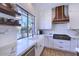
(53, 52)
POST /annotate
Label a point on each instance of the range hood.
(60, 15)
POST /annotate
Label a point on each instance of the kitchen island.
(25, 44)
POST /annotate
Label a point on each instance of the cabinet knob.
(60, 47)
(60, 42)
(40, 45)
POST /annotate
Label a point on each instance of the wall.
(8, 35)
(44, 18)
(61, 29)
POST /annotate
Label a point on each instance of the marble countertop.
(26, 43)
(76, 37)
(77, 49)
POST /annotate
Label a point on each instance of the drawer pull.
(39, 45)
(60, 42)
(60, 47)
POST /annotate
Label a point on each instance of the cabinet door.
(38, 49)
(62, 44)
(74, 15)
(48, 42)
(78, 43)
(39, 46)
(73, 45)
(51, 41)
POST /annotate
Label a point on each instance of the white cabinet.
(65, 45)
(45, 20)
(48, 41)
(39, 46)
(38, 49)
(8, 50)
(73, 45)
(51, 42)
(62, 44)
(74, 16)
(78, 43)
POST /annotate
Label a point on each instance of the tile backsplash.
(61, 29)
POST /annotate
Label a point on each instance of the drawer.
(62, 47)
(61, 42)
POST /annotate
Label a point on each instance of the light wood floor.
(53, 52)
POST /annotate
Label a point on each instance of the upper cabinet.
(60, 15)
(74, 16)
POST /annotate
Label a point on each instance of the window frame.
(33, 25)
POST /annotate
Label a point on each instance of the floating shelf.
(7, 16)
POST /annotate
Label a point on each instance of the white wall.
(8, 35)
(44, 18)
(63, 29)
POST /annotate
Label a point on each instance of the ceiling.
(47, 5)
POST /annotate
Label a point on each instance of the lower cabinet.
(78, 43)
(39, 46)
(48, 42)
(65, 45)
(38, 49)
(62, 44)
(74, 43)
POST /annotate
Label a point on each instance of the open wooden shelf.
(10, 22)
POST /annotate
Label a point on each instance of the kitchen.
(39, 29)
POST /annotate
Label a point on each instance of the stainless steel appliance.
(61, 36)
